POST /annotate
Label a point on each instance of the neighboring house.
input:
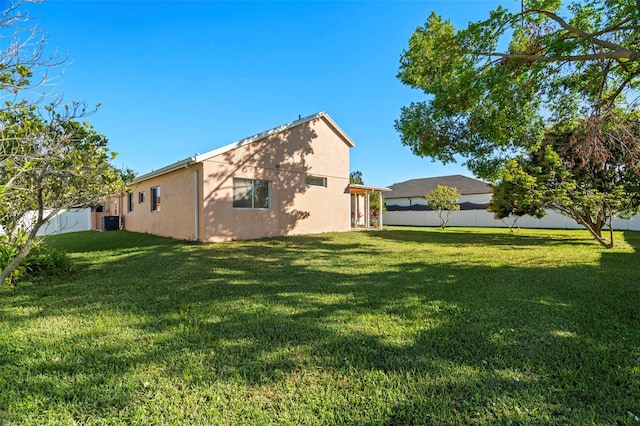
(410, 195)
(292, 179)
(406, 205)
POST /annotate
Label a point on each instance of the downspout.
(196, 209)
(121, 212)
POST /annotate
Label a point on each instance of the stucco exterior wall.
(175, 218)
(285, 160)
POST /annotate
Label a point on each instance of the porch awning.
(358, 189)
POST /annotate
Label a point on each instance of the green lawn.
(406, 326)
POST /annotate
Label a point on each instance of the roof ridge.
(256, 137)
(245, 141)
(420, 186)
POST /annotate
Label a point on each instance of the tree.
(49, 160)
(511, 199)
(444, 200)
(496, 85)
(24, 66)
(356, 177)
(49, 163)
(592, 189)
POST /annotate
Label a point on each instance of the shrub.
(42, 261)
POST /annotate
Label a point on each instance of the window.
(140, 197)
(155, 199)
(130, 201)
(251, 194)
(115, 208)
(316, 181)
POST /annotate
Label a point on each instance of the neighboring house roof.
(421, 187)
(242, 142)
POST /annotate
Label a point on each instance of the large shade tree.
(499, 87)
(494, 85)
(50, 159)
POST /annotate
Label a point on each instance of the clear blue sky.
(176, 78)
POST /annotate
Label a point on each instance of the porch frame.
(363, 193)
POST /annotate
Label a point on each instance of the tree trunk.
(26, 248)
(603, 241)
(22, 253)
(595, 230)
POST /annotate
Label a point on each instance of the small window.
(316, 181)
(251, 194)
(115, 208)
(155, 199)
(130, 201)
(140, 197)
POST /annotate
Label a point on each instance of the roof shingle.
(421, 187)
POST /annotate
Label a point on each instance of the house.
(410, 195)
(407, 205)
(292, 179)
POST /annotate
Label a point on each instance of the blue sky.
(176, 78)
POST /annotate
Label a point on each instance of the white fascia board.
(270, 132)
(337, 128)
(167, 169)
(369, 187)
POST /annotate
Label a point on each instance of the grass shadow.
(483, 236)
(387, 326)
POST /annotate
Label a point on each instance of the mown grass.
(406, 326)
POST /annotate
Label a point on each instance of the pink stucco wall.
(175, 218)
(285, 159)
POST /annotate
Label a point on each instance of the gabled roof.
(246, 141)
(421, 187)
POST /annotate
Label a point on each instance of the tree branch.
(582, 34)
(627, 54)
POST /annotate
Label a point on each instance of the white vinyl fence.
(72, 220)
(483, 218)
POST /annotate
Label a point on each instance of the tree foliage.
(444, 201)
(511, 199)
(591, 188)
(50, 160)
(356, 177)
(494, 86)
(24, 64)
